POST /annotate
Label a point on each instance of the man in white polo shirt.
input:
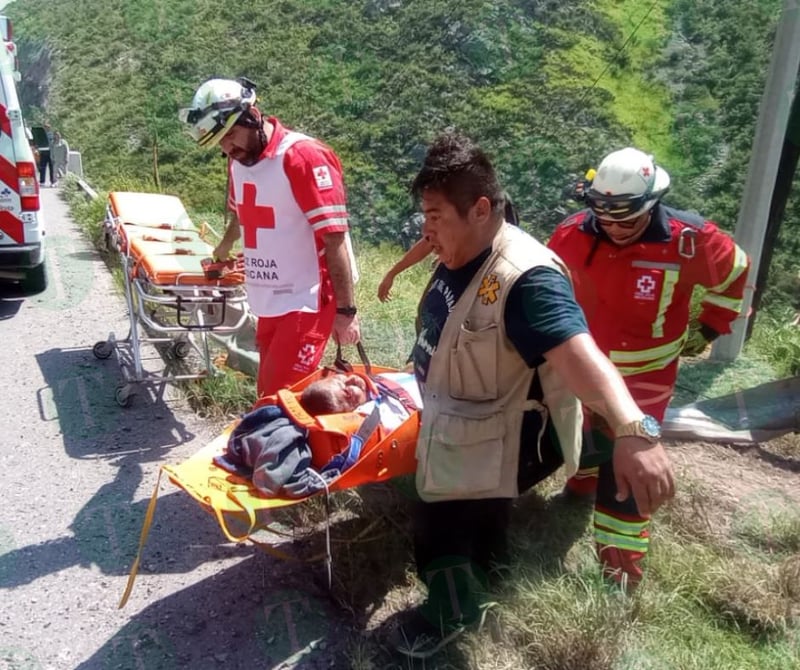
(287, 194)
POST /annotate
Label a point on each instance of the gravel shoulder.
(77, 472)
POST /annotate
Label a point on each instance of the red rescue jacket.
(637, 298)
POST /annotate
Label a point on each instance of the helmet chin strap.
(258, 126)
(262, 136)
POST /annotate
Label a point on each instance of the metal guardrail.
(88, 190)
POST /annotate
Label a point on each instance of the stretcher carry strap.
(148, 520)
(341, 364)
(231, 492)
(396, 391)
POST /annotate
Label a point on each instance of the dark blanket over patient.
(274, 452)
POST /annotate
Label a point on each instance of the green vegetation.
(722, 589)
(547, 88)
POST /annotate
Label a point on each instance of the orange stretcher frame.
(170, 297)
(221, 492)
(155, 230)
(231, 497)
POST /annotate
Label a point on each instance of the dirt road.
(76, 473)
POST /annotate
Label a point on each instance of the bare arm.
(229, 237)
(640, 468)
(345, 328)
(414, 255)
(593, 378)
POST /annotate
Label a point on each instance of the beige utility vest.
(477, 387)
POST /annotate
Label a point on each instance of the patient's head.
(334, 394)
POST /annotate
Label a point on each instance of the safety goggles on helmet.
(208, 126)
(626, 185)
(618, 208)
(216, 107)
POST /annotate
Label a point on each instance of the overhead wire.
(620, 50)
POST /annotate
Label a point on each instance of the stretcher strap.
(231, 494)
(328, 555)
(282, 555)
(341, 364)
(148, 520)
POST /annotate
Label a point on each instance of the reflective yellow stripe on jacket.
(714, 295)
(648, 360)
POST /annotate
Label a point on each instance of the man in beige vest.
(503, 358)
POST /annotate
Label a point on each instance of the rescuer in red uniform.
(635, 263)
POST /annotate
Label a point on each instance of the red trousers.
(652, 391)
(621, 534)
(291, 346)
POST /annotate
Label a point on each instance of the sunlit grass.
(722, 584)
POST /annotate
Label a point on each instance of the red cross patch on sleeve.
(322, 175)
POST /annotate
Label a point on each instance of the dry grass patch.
(574, 621)
(757, 599)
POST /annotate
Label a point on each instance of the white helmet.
(216, 106)
(627, 184)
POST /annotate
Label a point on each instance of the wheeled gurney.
(171, 297)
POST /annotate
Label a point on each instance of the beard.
(245, 157)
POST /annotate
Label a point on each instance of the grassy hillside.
(547, 87)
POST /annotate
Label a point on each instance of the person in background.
(421, 249)
(287, 193)
(502, 357)
(45, 157)
(635, 262)
(59, 152)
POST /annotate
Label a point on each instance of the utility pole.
(773, 117)
(790, 156)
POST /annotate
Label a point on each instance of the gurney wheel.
(102, 349)
(181, 349)
(123, 395)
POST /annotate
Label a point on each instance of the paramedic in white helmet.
(635, 262)
(287, 195)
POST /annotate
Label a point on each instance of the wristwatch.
(647, 427)
(347, 311)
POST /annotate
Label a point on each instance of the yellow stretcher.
(233, 500)
(170, 295)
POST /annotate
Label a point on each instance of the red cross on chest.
(253, 216)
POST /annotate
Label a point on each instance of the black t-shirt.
(541, 313)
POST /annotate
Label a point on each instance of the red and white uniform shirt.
(285, 204)
(637, 298)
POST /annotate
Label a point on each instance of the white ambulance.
(21, 222)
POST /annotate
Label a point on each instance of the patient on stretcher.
(275, 453)
(398, 391)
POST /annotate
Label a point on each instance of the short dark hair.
(458, 169)
(250, 118)
(317, 398)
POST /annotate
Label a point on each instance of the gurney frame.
(196, 305)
